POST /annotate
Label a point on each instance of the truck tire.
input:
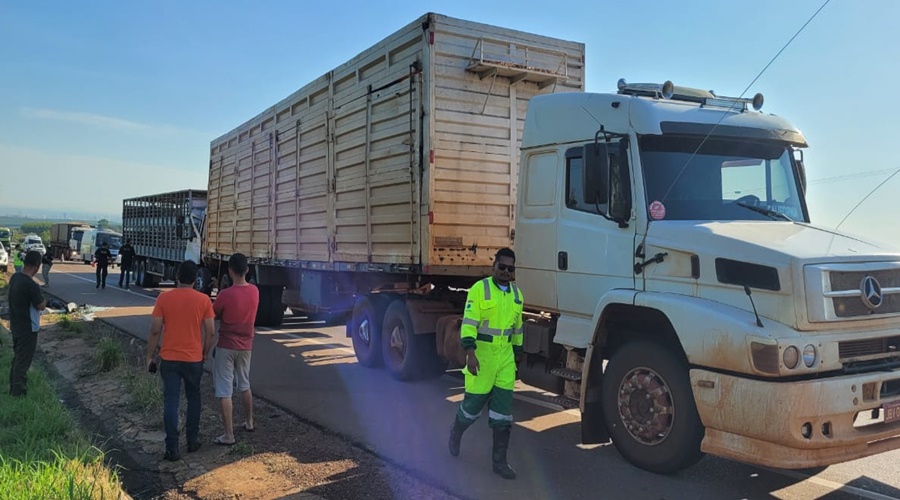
(407, 356)
(660, 434)
(270, 311)
(148, 280)
(365, 329)
(204, 281)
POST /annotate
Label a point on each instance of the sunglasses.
(504, 267)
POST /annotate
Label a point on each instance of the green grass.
(42, 454)
(241, 450)
(146, 393)
(109, 354)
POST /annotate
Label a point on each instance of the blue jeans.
(173, 374)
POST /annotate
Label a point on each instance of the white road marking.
(94, 282)
(830, 484)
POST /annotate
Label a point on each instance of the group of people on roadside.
(184, 318)
(181, 340)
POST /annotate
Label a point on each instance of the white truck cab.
(662, 233)
(93, 238)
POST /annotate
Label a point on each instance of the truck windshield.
(4, 234)
(114, 241)
(720, 181)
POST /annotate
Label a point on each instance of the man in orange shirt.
(180, 315)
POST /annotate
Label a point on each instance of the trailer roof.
(190, 192)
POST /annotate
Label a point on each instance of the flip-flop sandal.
(221, 441)
(248, 429)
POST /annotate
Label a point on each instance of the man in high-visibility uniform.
(18, 262)
(492, 338)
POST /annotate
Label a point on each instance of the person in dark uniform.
(46, 264)
(127, 253)
(102, 257)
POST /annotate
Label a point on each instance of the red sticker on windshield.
(657, 210)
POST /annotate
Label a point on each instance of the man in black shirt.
(127, 253)
(102, 257)
(25, 306)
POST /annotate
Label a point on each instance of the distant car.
(34, 242)
(4, 258)
(39, 247)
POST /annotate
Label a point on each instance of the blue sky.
(105, 100)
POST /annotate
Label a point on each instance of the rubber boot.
(456, 433)
(501, 445)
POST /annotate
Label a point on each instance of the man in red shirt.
(235, 309)
(180, 315)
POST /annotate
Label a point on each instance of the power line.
(863, 200)
(858, 175)
(725, 113)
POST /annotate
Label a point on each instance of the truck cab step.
(567, 373)
(563, 401)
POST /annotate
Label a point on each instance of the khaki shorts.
(231, 368)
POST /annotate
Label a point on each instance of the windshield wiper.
(772, 214)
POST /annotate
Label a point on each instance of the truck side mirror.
(595, 174)
(620, 186)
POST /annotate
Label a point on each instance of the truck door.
(594, 255)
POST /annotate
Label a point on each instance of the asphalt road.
(310, 369)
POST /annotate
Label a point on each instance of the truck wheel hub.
(364, 331)
(646, 406)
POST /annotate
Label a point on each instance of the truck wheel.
(148, 280)
(649, 408)
(365, 329)
(271, 310)
(204, 281)
(407, 356)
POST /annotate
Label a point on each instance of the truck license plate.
(891, 411)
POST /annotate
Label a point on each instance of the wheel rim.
(646, 406)
(397, 344)
(363, 330)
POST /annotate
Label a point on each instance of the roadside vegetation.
(42, 453)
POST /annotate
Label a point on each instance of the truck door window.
(574, 180)
(541, 179)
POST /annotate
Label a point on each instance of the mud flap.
(593, 425)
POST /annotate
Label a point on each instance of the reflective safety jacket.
(492, 315)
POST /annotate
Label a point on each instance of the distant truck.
(61, 237)
(93, 239)
(75, 242)
(6, 237)
(165, 230)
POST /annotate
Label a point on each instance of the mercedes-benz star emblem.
(871, 292)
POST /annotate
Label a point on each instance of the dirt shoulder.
(283, 458)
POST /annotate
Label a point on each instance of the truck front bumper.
(796, 425)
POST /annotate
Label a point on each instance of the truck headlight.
(809, 355)
(791, 357)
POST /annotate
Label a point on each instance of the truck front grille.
(851, 281)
